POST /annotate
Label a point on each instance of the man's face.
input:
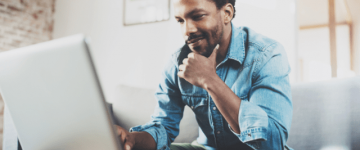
(201, 24)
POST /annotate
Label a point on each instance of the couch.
(326, 115)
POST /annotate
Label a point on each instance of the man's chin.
(197, 50)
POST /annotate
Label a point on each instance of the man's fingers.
(181, 74)
(214, 53)
(181, 67)
(121, 140)
(129, 144)
(191, 55)
(121, 132)
(123, 137)
(119, 129)
(126, 139)
(127, 147)
(185, 61)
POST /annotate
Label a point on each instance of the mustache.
(194, 36)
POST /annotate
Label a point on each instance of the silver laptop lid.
(54, 97)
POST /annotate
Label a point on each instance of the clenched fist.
(197, 69)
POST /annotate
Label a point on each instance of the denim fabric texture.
(256, 69)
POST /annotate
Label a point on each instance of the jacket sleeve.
(265, 116)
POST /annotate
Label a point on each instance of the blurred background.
(321, 37)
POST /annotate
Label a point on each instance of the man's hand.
(135, 140)
(126, 138)
(201, 71)
(197, 69)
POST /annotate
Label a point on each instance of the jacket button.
(218, 132)
(214, 108)
(192, 107)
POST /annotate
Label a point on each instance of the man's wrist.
(143, 140)
(211, 82)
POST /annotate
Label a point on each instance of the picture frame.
(145, 11)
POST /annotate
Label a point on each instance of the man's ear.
(229, 12)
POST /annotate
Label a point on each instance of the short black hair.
(221, 3)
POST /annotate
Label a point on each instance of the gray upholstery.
(326, 115)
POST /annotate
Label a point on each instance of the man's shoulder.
(258, 41)
(259, 49)
(259, 46)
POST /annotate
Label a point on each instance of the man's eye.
(198, 17)
(180, 21)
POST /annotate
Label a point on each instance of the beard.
(213, 34)
(217, 38)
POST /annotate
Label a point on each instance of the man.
(235, 81)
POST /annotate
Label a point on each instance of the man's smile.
(195, 42)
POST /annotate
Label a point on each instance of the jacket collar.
(236, 49)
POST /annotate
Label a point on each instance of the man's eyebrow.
(196, 10)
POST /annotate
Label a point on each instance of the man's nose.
(190, 28)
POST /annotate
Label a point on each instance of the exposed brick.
(25, 36)
(10, 32)
(35, 16)
(13, 45)
(4, 12)
(16, 41)
(53, 7)
(19, 28)
(13, 8)
(50, 27)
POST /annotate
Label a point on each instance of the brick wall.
(22, 23)
(25, 22)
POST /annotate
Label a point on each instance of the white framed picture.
(145, 11)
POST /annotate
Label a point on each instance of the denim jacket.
(257, 70)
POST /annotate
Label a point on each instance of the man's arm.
(144, 141)
(265, 114)
(201, 71)
(227, 102)
(135, 140)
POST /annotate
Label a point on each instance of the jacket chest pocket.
(198, 105)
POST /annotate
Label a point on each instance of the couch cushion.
(326, 115)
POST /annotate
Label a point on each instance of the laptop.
(54, 97)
